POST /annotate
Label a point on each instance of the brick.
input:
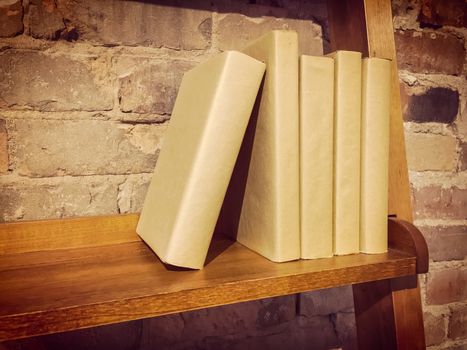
(435, 329)
(132, 192)
(436, 202)
(56, 148)
(439, 105)
(118, 336)
(148, 87)
(162, 332)
(430, 152)
(346, 330)
(140, 23)
(54, 82)
(446, 242)
(275, 311)
(238, 318)
(447, 286)
(3, 147)
(11, 18)
(33, 199)
(304, 333)
(458, 347)
(45, 20)
(429, 52)
(237, 30)
(437, 13)
(405, 13)
(458, 323)
(326, 301)
(463, 156)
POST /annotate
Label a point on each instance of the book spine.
(376, 87)
(209, 119)
(316, 156)
(269, 222)
(347, 113)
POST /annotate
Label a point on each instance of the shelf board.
(60, 275)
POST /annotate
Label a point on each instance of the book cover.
(347, 123)
(208, 122)
(316, 155)
(376, 90)
(261, 209)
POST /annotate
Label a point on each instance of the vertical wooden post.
(388, 312)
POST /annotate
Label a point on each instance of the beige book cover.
(347, 122)
(262, 204)
(209, 119)
(376, 90)
(316, 155)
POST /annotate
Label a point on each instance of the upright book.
(200, 147)
(316, 155)
(261, 208)
(347, 122)
(376, 89)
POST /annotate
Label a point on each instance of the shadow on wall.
(180, 24)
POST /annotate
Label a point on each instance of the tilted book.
(347, 122)
(209, 119)
(261, 208)
(376, 90)
(316, 155)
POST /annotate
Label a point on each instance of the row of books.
(286, 154)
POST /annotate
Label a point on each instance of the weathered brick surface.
(62, 197)
(132, 23)
(458, 323)
(304, 333)
(3, 147)
(447, 286)
(54, 82)
(132, 192)
(463, 156)
(11, 18)
(440, 105)
(430, 152)
(435, 328)
(437, 13)
(429, 52)
(436, 202)
(149, 86)
(446, 242)
(326, 301)
(246, 317)
(84, 147)
(162, 332)
(345, 326)
(237, 30)
(120, 336)
(45, 20)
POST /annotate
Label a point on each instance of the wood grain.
(64, 289)
(374, 313)
(31, 236)
(410, 332)
(406, 237)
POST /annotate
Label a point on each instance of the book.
(261, 209)
(208, 122)
(347, 122)
(376, 90)
(316, 155)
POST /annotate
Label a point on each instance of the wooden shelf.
(60, 275)
(97, 271)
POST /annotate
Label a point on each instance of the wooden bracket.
(405, 236)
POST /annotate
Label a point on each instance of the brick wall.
(431, 43)
(86, 91)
